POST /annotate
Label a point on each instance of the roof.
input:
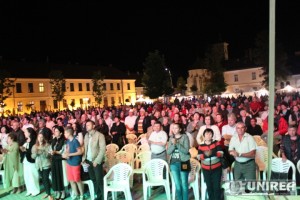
(42, 70)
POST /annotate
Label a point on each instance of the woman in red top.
(210, 153)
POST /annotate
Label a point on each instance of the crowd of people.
(53, 146)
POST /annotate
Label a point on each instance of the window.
(112, 100)
(81, 101)
(30, 87)
(41, 87)
(88, 87)
(19, 87)
(128, 86)
(253, 75)
(20, 106)
(118, 86)
(119, 99)
(80, 86)
(104, 86)
(236, 78)
(55, 104)
(111, 86)
(63, 87)
(255, 88)
(65, 105)
(72, 87)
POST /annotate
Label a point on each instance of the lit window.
(236, 78)
(41, 87)
(20, 106)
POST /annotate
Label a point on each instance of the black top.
(254, 130)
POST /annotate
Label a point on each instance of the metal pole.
(271, 83)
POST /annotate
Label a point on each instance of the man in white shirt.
(26, 123)
(129, 122)
(157, 141)
(49, 122)
(242, 147)
(107, 120)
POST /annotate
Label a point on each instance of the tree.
(58, 84)
(97, 80)
(5, 86)
(261, 58)
(156, 78)
(181, 84)
(213, 62)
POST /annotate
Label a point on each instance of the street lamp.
(168, 69)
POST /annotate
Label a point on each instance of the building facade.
(35, 94)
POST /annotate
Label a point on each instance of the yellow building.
(33, 93)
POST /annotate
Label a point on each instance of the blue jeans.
(181, 181)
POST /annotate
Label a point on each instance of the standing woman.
(178, 149)
(40, 152)
(11, 163)
(210, 153)
(57, 149)
(31, 175)
(78, 133)
(208, 123)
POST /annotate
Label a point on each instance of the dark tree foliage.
(261, 58)
(58, 84)
(97, 80)
(181, 84)
(6, 85)
(156, 78)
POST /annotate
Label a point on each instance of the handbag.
(224, 162)
(186, 165)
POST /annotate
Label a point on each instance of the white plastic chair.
(123, 157)
(132, 138)
(193, 179)
(283, 167)
(154, 176)
(2, 171)
(132, 149)
(112, 147)
(298, 168)
(140, 162)
(143, 147)
(261, 159)
(117, 179)
(142, 139)
(91, 188)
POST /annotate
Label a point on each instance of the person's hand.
(4, 151)
(23, 149)
(65, 155)
(284, 159)
(173, 140)
(234, 153)
(95, 164)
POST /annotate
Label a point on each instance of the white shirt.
(245, 146)
(130, 121)
(160, 136)
(228, 130)
(25, 126)
(109, 122)
(217, 134)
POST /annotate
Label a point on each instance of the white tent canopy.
(288, 88)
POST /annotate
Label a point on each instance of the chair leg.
(145, 191)
(167, 189)
(105, 195)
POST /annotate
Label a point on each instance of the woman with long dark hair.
(31, 175)
(57, 149)
(178, 149)
(41, 154)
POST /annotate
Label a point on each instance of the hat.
(130, 110)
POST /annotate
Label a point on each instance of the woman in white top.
(3, 136)
(208, 123)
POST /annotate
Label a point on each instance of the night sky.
(122, 34)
